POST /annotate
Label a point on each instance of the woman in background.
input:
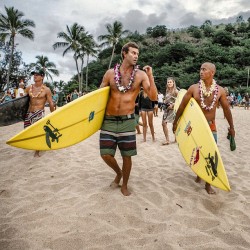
(147, 109)
(7, 97)
(168, 107)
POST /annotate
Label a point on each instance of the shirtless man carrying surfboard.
(208, 95)
(39, 94)
(118, 128)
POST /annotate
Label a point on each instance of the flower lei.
(35, 96)
(204, 89)
(118, 78)
(203, 92)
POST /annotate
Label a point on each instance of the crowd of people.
(74, 95)
(22, 91)
(12, 94)
(238, 99)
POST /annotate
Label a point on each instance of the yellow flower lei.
(31, 93)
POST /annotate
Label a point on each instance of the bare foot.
(116, 181)
(209, 189)
(125, 191)
(114, 185)
(37, 154)
(165, 143)
(198, 179)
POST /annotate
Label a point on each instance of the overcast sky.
(52, 16)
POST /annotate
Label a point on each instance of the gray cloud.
(134, 20)
(245, 4)
(189, 19)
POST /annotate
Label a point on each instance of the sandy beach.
(62, 200)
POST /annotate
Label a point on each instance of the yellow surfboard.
(198, 147)
(66, 126)
(177, 103)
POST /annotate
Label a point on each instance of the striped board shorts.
(118, 131)
(32, 117)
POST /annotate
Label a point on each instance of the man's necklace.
(203, 92)
(31, 91)
(118, 78)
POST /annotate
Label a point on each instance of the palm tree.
(91, 50)
(115, 33)
(81, 52)
(59, 85)
(11, 25)
(72, 43)
(88, 48)
(48, 67)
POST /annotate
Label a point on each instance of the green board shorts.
(118, 131)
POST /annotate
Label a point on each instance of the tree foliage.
(223, 38)
(13, 24)
(181, 58)
(19, 68)
(48, 67)
(114, 35)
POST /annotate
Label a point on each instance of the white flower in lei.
(203, 92)
(211, 89)
(118, 78)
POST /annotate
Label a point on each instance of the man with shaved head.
(208, 95)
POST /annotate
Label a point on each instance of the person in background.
(232, 103)
(168, 107)
(160, 100)
(74, 95)
(155, 111)
(20, 91)
(68, 98)
(7, 97)
(137, 115)
(55, 98)
(147, 114)
(239, 99)
(246, 101)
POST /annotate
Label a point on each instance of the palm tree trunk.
(78, 73)
(82, 61)
(87, 72)
(12, 43)
(113, 51)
